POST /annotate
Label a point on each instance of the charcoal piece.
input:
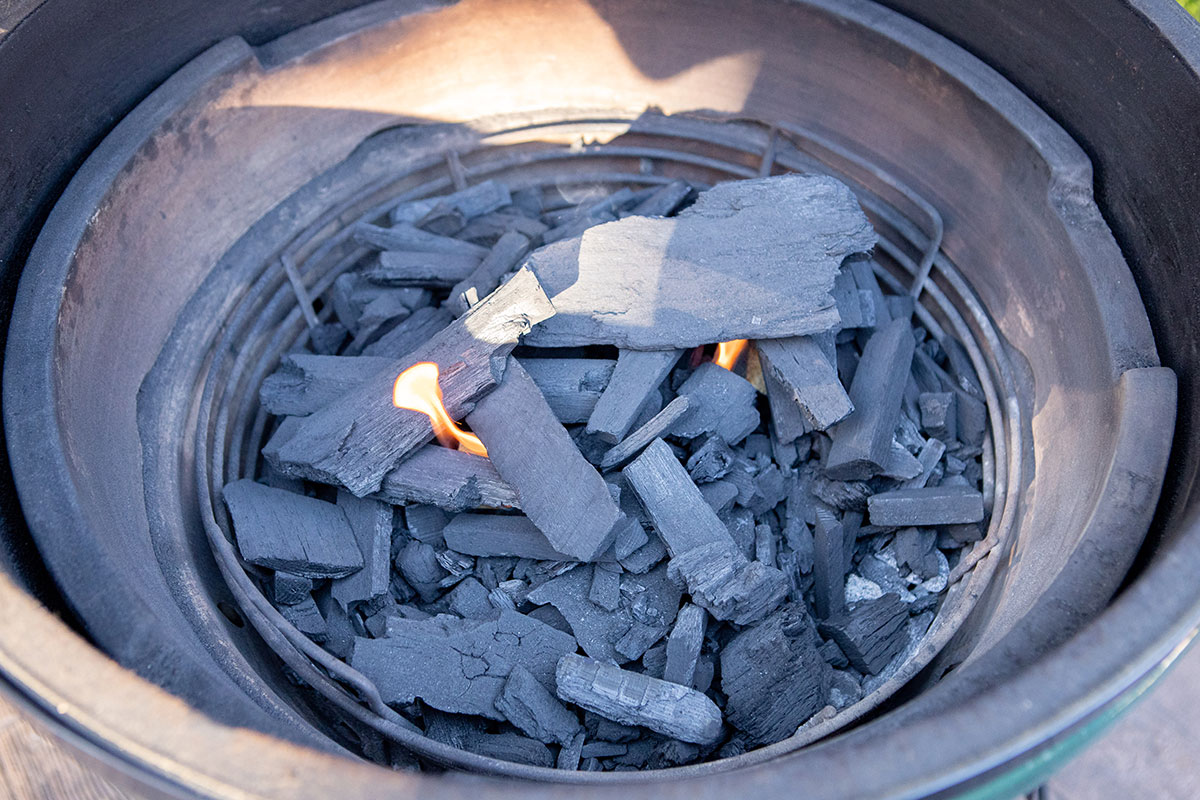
(803, 368)
(664, 200)
(496, 535)
(289, 589)
(654, 661)
(490, 227)
(407, 268)
(787, 420)
(673, 502)
(571, 386)
(569, 754)
(776, 243)
(451, 729)
(800, 539)
(603, 749)
(560, 492)
(407, 237)
(304, 383)
(929, 456)
(862, 442)
(937, 505)
(634, 699)
(290, 532)
(347, 298)
(971, 412)
(741, 475)
(711, 460)
(636, 376)
(459, 665)
(426, 523)
(307, 619)
(851, 527)
(656, 426)
(769, 490)
(683, 645)
(833, 655)
(844, 691)
(720, 495)
(527, 704)
(339, 630)
(829, 571)
(356, 440)
(631, 536)
(842, 495)
(740, 524)
(849, 305)
(773, 676)
(600, 631)
(371, 522)
(418, 563)
(645, 557)
(378, 316)
(500, 260)
(939, 415)
(606, 588)
(509, 747)
(870, 632)
(721, 580)
(609, 731)
(964, 534)
(901, 464)
(721, 403)
(453, 480)
(865, 280)
(880, 568)
(914, 548)
(551, 616)
(471, 202)
(469, 599)
(327, 338)
(764, 544)
(421, 326)
(706, 668)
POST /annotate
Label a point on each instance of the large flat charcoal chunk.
(772, 245)
(496, 535)
(526, 703)
(683, 645)
(647, 608)
(458, 665)
(572, 386)
(304, 383)
(870, 632)
(803, 368)
(636, 376)
(406, 268)
(421, 326)
(774, 676)
(931, 505)
(291, 532)
(656, 426)
(720, 403)
(359, 438)
(863, 441)
(371, 522)
(635, 699)
(721, 580)
(560, 492)
(452, 480)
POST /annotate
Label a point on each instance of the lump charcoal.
(844, 691)
(509, 747)
(787, 420)
(500, 260)
(560, 492)
(371, 522)
(425, 523)
(418, 563)
(865, 280)
(656, 426)
(720, 495)
(645, 557)
(552, 617)
(600, 631)
(803, 368)
(453, 480)
(289, 589)
(773, 676)
(740, 475)
(776, 242)
(683, 645)
(901, 465)
(880, 569)
(339, 630)
(654, 661)
(829, 571)
(964, 534)
(937, 505)
(458, 665)
(605, 591)
(501, 598)
(604, 749)
(327, 338)
(631, 536)
(291, 532)
(664, 200)
(770, 488)
(307, 619)
(304, 383)
(572, 386)
(490, 227)
(740, 524)
(971, 412)
(609, 731)
(862, 442)
(833, 655)
(757, 446)
(712, 461)
(535, 711)
(914, 548)
(636, 376)
(378, 316)
(939, 415)
(721, 580)
(469, 599)
(358, 439)
(407, 268)
(570, 753)
(929, 457)
(851, 527)
(849, 305)
(421, 326)
(720, 402)
(705, 671)
(870, 632)
(634, 699)
(800, 539)
(764, 544)
(473, 201)
(499, 535)
(408, 237)
(842, 495)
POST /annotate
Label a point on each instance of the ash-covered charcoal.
(499, 535)
(572, 386)
(637, 376)
(931, 505)
(634, 699)
(720, 403)
(656, 426)
(683, 645)
(531, 707)
(454, 480)
(802, 367)
(371, 522)
(870, 632)
(418, 328)
(408, 268)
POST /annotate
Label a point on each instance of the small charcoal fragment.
(931, 505)
(371, 522)
(711, 461)
(787, 420)
(570, 753)
(418, 563)
(634, 699)
(929, 457)
(720, 402)
(655, 427)
(901, 465)
(939, 415)
(764, 544)
(683, 645)
(720, 495)
(288, 589)
(803, 368)
(509, 747)
(829, 572)
(870, 632)
(290, 532)
(425, 523)
(637, 375)
(307, 619)
(527, 704)
(469, 599)
(773, 676)
(606, 588)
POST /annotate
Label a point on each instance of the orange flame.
(417, 389)
(729, 352)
